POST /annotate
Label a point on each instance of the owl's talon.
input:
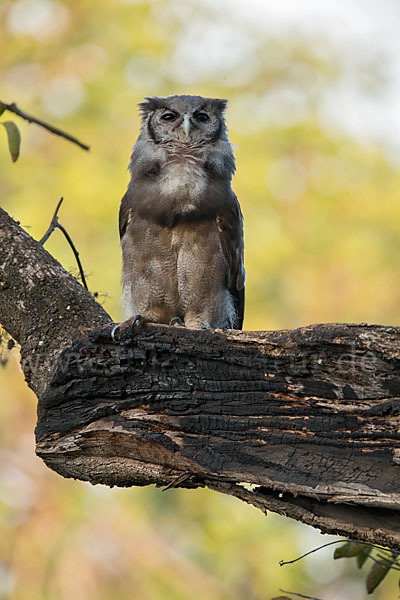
(176, 322)
(113, 330)
(137, 322)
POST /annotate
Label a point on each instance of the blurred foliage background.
(313, 99)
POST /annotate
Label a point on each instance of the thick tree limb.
(41, 305)
(311, 413)
(302, 422)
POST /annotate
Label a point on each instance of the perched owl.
(180, 223)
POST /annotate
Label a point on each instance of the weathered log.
(302, 422)
(312, 414)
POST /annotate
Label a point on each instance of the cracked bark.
(302, 422)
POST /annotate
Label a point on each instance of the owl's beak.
(186, 124)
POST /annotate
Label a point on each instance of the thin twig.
(177, 481)
(54, 224)
(289, 562)
(385, 560)
(76, 253)
(12, 107)
(300, 595)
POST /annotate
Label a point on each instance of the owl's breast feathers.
(178, 181)
(183, 179)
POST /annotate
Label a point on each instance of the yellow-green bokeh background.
(322, 233)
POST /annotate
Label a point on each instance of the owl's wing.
(230, 229)
(125, 215)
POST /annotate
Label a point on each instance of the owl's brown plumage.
(180, 222)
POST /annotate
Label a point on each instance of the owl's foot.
(176, 322)
(137, 322)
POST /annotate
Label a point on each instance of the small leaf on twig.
(14, 139)
(363, 553)
(12, 107)
(2, 108)
(347, 550)
(377, 573)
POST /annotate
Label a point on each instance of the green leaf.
(14, 139)
(377, 573)
(348, 550)
(364, 552)
(2, 108)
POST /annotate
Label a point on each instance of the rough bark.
(311, 414)
(302, 422)
(42, 306)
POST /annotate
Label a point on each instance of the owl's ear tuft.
(220, 103)
(149, 105)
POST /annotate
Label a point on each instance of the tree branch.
(41, 305)
(55, 224)
(302, 422)
(12, 107)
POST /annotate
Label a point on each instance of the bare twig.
(101, 297)
(76, 253)
(384, 560)
(300, 595)
(289, 562)
(12, 107)
(176, 482)
(54, 224)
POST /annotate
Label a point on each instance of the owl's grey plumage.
(180, 223)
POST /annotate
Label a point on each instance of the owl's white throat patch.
(184, 179)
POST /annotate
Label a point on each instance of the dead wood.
(302, 422)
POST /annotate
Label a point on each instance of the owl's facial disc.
(186, 124)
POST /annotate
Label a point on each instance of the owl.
(180, 222)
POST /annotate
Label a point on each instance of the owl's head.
(184, 119)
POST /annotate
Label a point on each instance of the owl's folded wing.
(230, 229)
(125, 215)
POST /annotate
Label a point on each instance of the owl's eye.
(168, 116)
(201, 116)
